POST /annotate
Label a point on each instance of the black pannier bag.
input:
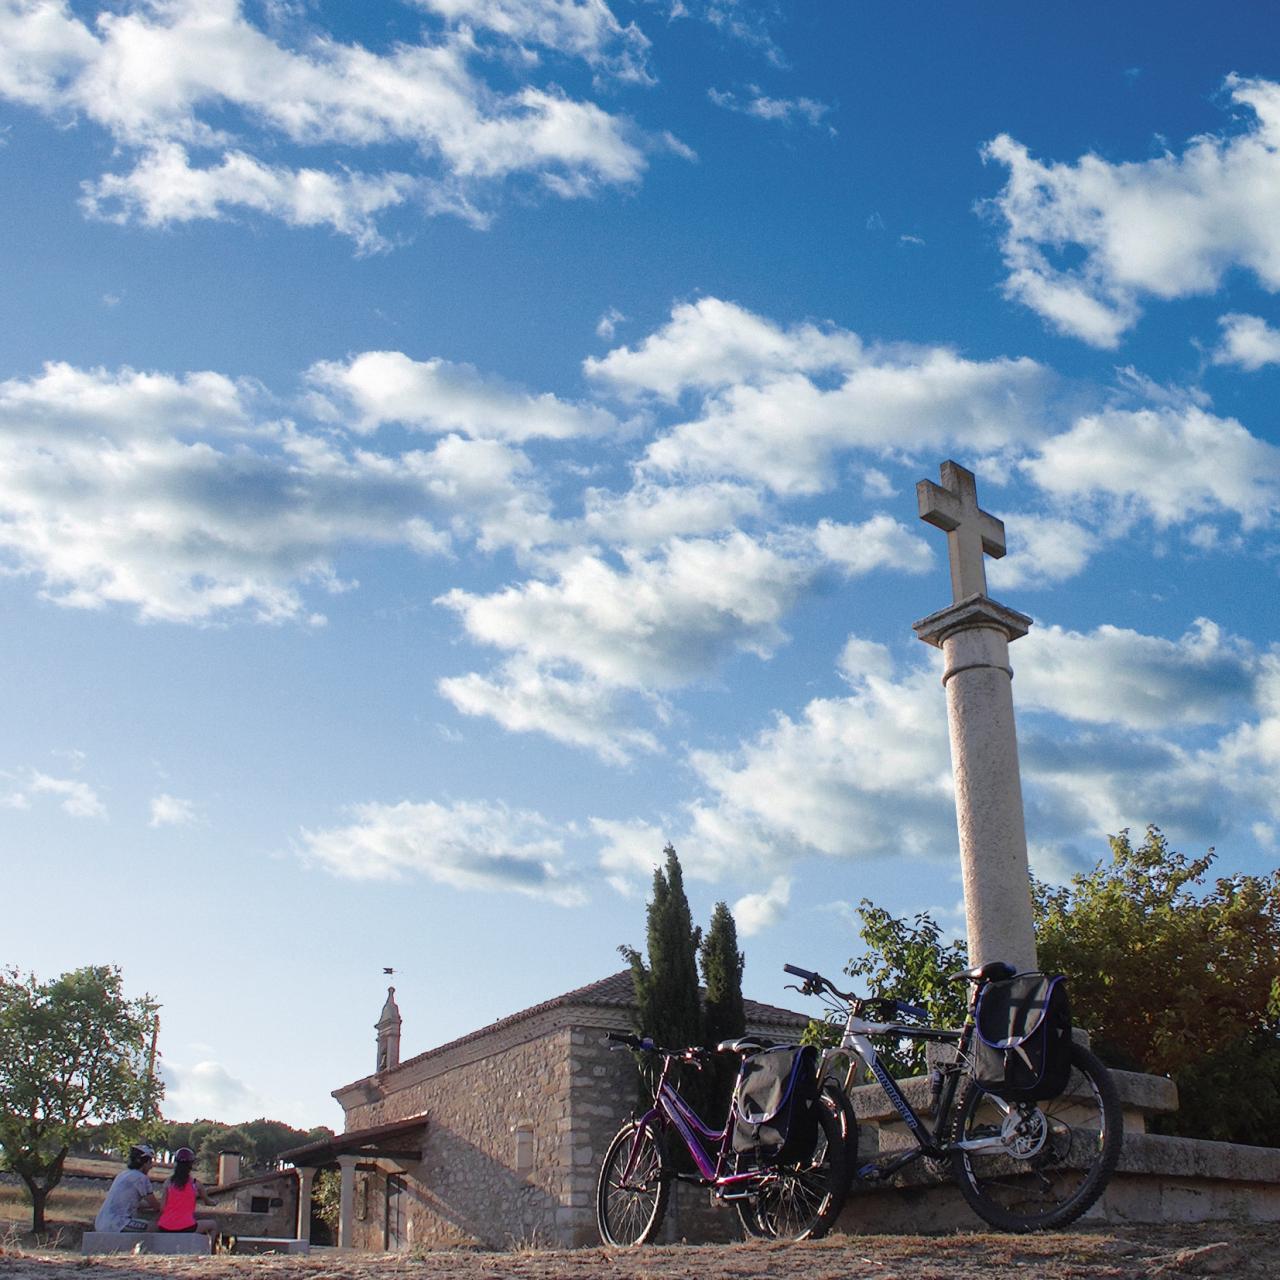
(775, 1103)
(1022, 1051)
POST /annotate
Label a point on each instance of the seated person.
(130, 1195)
(178, 1199)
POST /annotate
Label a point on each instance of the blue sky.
(452, 447)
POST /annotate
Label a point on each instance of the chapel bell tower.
(388, 1029)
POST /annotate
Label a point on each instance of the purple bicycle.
(792, 1188)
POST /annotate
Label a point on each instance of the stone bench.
(270, 1244)
(144, 1242)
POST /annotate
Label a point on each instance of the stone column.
(347, 1201)
(974, 637)
(306, 1177)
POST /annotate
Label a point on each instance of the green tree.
(216, 1139)
(1177, 979)
(73, 1051)
(722, 1010)
(326, 1199)
(667, 1005)
(270, 1137)
(910, 961)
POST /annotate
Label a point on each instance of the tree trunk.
(39, 1188)
(38, 1195)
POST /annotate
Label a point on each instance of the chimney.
(388, 1028)
(228, 1167)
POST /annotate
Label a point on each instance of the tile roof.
(614, 992)
(378, 1139)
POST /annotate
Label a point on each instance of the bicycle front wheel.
(630, 1207)
(1045, 1163)
(803, 1197)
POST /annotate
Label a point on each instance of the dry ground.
(1134, 1253)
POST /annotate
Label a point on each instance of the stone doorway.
(396, 1236)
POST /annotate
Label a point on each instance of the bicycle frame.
(930, 1141)
(671, 1111)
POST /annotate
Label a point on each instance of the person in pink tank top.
(179, 1197)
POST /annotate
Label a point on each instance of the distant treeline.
(259, 1142)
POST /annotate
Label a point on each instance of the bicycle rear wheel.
(630, 1211)
(1055, 1157)
(802, 1198)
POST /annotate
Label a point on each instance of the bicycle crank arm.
(980, 1144)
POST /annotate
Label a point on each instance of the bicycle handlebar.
(797, 972)
(815, 984)
(695, 1054)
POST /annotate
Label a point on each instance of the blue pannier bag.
(775, 1104)
(1022, 1052)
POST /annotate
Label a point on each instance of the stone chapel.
(496, 1138)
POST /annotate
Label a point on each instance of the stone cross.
(974, 633)
(953, 507)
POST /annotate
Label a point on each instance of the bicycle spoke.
(1056, 1156)
(629, 1208)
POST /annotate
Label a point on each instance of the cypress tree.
(723, 1015)
(722, 965)
(667, 1005)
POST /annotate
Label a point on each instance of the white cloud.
(711, 343)
(1116, 676)
(171, 811)
(164, 187)
(75, 798)
(466, 845)
(878, 543)
(657, 622)
(756, 912)
(584, 29)
(630, 853)
(523, 698)
(1042, 551)
(864, 775)
(1112, 727)
(163, 79)
(778, 405)
(648, 514)
(608, 324)
(174, 496)
(1163, 228)
(205, 1090)
(1175, 464)
(380, 387)
(1247, 342)
(778, 110)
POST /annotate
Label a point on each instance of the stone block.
(270, 1244)
(144, 1242)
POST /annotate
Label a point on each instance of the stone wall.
(605, 1094)
(497, 1148)
(516, 1131)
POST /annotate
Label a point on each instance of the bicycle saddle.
(745, 1044)
(992, 971)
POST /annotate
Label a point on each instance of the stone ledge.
(270, 1244)
(1149, 1153)
(145, 1242)
(1145, 1094)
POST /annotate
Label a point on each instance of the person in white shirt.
(130, 1195)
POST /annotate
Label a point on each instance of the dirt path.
(1147, 1253)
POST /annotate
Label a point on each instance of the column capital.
(966, 615)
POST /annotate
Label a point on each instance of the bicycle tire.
(631, 1215)
(801, 1200)
(1079, 1135)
